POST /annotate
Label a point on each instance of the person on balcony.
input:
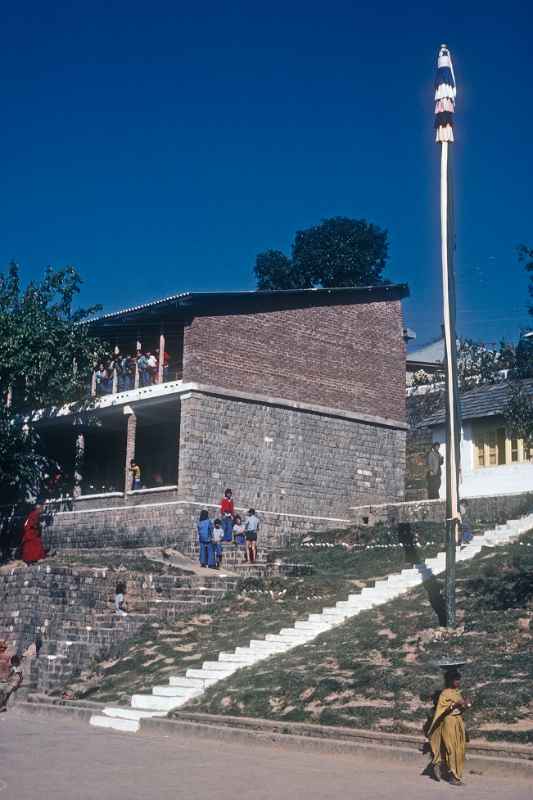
(166, 361)
(135, 471)
(144, 374)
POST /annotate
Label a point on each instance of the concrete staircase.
(182, 688)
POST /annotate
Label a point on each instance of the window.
(493, 447)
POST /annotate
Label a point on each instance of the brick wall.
(287, 460)
(348, 357)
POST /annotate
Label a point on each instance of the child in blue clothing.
(218, 538)
(205, 539)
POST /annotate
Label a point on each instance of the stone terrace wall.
(70, 610)
(286, 460)
(163, 524)
(486, 510)
(349, 357)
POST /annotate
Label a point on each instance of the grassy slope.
(374, 671)
(260, 607)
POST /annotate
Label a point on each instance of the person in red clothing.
(227, 512)
(32, 544)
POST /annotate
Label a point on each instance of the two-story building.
(294, 399)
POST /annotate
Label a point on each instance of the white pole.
(452, 493)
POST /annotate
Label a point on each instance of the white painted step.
(131, 713)
(151, 702)
(239, 658)
(182, 680)
(176, 691)
(115, 723)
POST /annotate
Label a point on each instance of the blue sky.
(159, 146)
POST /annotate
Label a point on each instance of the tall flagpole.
(445, 92)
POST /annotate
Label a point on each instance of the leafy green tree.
(337, 252)
(46, 359)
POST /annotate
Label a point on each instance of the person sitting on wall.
(32, 543)
(227, 512)
(434, 464)
(135, 475)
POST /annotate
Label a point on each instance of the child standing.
(218, 538)
(120, 602)
(252, 526)
(238, 531)
(227, 512)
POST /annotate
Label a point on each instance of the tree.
(46, 359)
(337, 252)
(525, 256)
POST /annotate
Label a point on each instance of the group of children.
(228, 528)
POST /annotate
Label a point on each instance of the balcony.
(123, 373)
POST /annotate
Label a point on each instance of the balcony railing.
(114, 378)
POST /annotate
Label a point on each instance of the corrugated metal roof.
(217, 296)
(432, 353)
(484, 401)
(142, 306)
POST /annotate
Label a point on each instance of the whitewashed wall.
(487, 480)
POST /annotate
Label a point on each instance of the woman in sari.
(32, 544)
(447, 731)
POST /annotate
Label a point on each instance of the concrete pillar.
(93, 383)
(131, 431)
(161, 358)
(115, 380)
(79, 460)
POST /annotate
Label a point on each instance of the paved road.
(61, 759)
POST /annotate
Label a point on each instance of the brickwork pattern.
(481, 510)
(71, 611)
(349, 357)
(286, 460)
(163, 524)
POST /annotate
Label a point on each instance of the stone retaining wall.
(163, 524)
(489, 510)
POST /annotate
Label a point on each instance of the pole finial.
(445, 92)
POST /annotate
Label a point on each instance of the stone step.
(257, 645)
(115, 723)
(222, 667)
(209, 675)
(176, 691)
(131, 713)
(238, 658)
(187, 683)
(152, 702)
(312, 627)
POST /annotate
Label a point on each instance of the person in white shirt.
(217, 537)
(251, 528)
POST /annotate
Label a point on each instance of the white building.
(492, 461)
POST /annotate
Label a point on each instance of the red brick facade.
(349, 357)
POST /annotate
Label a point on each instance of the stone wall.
(163, 524)
(69, 611)
(286, 460)
(482, 510)
(349, 357)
